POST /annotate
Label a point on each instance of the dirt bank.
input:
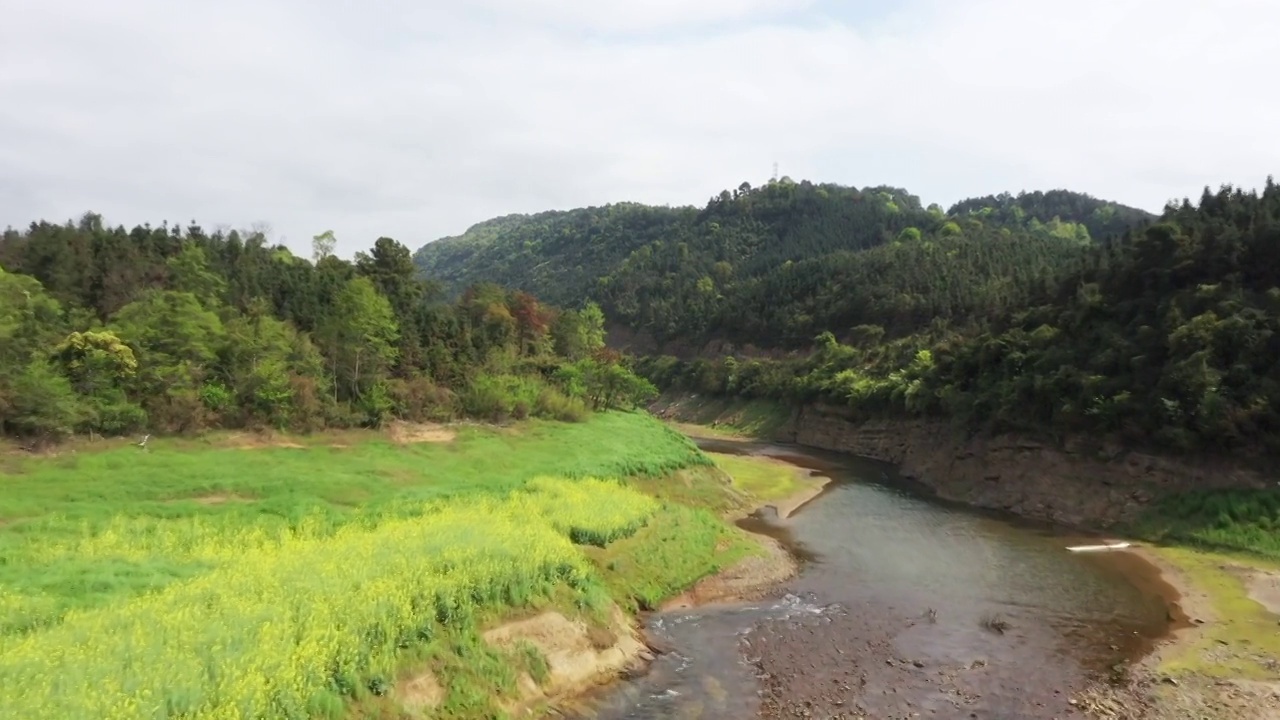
(1220, 664)
(578, 657)
(581, 659)
(1080, 484)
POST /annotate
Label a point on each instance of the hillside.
(798, 258)
(1166, 336)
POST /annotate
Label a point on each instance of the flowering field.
(286, 628)
(262, 596)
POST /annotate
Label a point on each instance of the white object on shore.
(1099, 548)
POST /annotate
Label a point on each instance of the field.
(299, 579)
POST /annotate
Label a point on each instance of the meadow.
(201, 579)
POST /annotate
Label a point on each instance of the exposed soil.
(217, 499)
(419, 693)
(789, 506)
(1077, 482)
(579, 656)
(1264, 588)
(409, 433)
(1152, 696)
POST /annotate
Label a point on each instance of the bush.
(555, 405)
(419, 398)
(500, 397)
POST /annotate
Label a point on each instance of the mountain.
(777, 264)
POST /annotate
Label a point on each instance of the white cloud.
(415, 120)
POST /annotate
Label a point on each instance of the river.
(903, 605)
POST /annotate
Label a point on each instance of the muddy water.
(1018, 622)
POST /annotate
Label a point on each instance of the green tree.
(359, 338)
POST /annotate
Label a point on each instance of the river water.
(1017, 621)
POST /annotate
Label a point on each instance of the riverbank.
(1079, 484)
(1224, 660)
(1224, 664)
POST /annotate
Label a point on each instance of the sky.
(416, 119)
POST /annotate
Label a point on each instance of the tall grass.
(1240, 519)
(291, 626)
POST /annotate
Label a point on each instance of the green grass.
(167, 478)
(762, 478)
(1237, 520)
(126, 492)
(298, 581)
(678, 547)
(729, 417)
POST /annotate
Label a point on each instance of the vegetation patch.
(679, 546)
(1245, 520)
(723, 417)
(763, 478)
(281, 629)
(1240, 640)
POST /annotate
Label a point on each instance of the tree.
(189, 272)
(322, 246)
(95, 361)
(531, 321)
(578, 333)
(359, 338)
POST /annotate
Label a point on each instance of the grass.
(762, 478)
(52, 507)
(677, 548)
(1243, 641)
(197, 580)
(1235, 520)
(730, 418)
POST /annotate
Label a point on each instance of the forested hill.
(777, 264)
(1167, 336)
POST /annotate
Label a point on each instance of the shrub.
(555, 405)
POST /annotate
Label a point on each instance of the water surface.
(876, 549)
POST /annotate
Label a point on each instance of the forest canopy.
(169, 329)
